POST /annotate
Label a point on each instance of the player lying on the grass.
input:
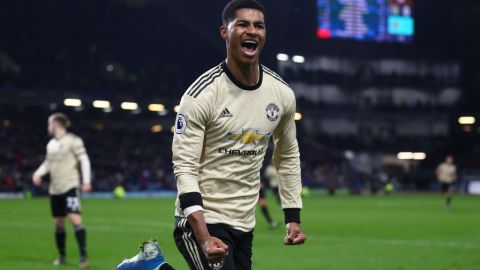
(64, 153)
(225, 121)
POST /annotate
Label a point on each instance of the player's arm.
(437, 171)
(85, 166)
(192, 119)
(286, 158)
(40, 172)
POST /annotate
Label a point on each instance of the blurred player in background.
(223, 127)
(263, 203)
(271, 176)
(446, 174)
(65, 152)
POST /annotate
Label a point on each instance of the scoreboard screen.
(369, 20)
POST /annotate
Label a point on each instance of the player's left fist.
(86, 187)
(295, 235)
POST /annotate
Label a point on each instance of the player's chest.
(56, 150)
(245, 115)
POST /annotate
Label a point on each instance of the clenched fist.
(214, 249)
(295, 235)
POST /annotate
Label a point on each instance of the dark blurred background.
(361, 102)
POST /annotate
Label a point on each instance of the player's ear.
(224, 32)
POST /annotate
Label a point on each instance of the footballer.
(65, 154)
(225, 121)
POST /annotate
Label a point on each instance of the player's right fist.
(214, 249)
(37, 181)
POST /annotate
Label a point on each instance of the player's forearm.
(289, 181)
(42, 170)
(85, 167)
(290, 184)
(191, 204)
(199, 227)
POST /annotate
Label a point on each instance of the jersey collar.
(240, 84)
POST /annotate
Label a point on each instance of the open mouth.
(249, 46)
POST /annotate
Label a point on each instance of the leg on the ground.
(447, 193)
(266, 213)
(448, 200)
(276, 194)
(60, 239)
(81, 237)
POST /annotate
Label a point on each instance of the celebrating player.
(223, 127)
(64, 153)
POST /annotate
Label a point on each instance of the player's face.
(52, 125)
(450, 160)
(245, 36)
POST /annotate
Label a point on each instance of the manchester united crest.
(272, 111)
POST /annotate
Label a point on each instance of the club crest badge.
(272, 111)
(181, 124)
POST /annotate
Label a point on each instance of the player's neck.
(60, 133)
(247, 74)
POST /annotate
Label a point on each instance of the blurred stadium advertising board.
(366, 20)
(474, 187)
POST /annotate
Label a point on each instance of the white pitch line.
(166, 227)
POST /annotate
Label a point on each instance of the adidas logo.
(226, 114)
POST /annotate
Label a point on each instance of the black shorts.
(445, 187)
(239, 246)
(261, 193)
(66, 203)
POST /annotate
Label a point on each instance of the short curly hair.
(231, 8)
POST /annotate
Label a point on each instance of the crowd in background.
(140, 160)
(136, 160)
(129, 51)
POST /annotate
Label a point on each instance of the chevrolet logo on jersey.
(248, 136)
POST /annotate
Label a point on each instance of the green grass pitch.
(345, 233)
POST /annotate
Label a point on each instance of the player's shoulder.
(277, 81)
(205, 82)
(274, 77)
(72, 137)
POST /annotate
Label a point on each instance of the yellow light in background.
(72, 102)
(129, 106)
(156, 128)
(419, 156)
(172, 129)
(156, 107)
(176, 108)
(411, 156)
(298, 59)
(101, 104)
(405, 155)
(298, 116)
(466, 120)
(282, 57)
